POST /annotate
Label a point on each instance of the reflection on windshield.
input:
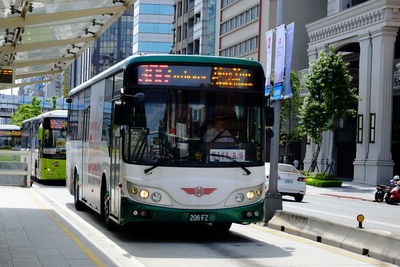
(10, 142)
(195, 128)
(54, 140)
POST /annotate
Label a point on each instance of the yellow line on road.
(320, 245)
(91, 255)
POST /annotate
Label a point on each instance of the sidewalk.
(348, 190)
(32, 234)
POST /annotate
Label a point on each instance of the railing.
(15, 168)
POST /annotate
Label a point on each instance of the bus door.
(85, 149)
(115, 171)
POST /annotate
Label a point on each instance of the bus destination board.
(6, 75)
(195, 76)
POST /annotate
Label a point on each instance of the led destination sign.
(196, 76)
(10, 133)
(6, 75)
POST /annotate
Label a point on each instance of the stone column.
(379, 164)
(364, 92)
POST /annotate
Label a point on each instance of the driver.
(217, 133)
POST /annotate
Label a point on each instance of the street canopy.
(41, 38)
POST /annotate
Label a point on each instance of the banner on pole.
(279, 62)
(270, 36)
(288, 62)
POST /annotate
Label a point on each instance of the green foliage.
(324, 183)
(26, 111)
(331, 95)
(320, 176)
(321, 179)
(53, 101)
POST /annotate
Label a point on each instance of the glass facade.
(152, 31)
(156, 9)
(211, 27)
(114, 45)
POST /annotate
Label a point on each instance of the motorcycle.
(383, 192)
(394, 195)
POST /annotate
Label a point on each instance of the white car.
(290, 181)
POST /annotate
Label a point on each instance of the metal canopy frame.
(41, 38)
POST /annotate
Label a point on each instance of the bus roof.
(166, 58)
(51, 114)
(10, 127)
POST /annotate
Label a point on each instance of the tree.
(53, 101)
(26, 111)
(331, 97)
(289, 109)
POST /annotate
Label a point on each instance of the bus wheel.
(222, 227)
(79, 205)
(110, 224)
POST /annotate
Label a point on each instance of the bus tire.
(222, 227)
(79, 205)
(105, 208)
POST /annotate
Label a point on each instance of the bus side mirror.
(269, 116)
(121, 114)
(46, 123)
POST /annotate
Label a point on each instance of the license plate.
(288, 181)
(198, 217)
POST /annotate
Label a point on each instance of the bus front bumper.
(132, 211)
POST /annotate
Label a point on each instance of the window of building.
(156, 9)
(154, 28)
(241, 48)
(197, 18)
(225, 3)
(179, 34)
(179, 9)
(163, 47)
(240, 20)
(184, 31)
(350, 3)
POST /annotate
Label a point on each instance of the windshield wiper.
(248, 172)
(155, 165)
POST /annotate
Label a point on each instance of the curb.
(370, 243)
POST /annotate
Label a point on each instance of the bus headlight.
(258, 192)
(156, 197)
(144, 193)
(250, 195)
(134, 190)
(239, 197)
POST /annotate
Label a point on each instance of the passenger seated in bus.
(217, 133)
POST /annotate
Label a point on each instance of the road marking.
(111, 249)
(71, 235)
(320, 245)
(348, 197)
(343, 216)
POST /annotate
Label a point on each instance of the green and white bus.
(45, 137)
(137, 149)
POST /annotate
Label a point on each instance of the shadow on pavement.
(162, 240)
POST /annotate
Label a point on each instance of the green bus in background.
(10, 139)
(45, 136)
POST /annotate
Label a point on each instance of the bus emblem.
(199, 191)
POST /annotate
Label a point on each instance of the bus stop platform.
(33, 234)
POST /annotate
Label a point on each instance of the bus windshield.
(10, 139)
(54, 139)
(195, 128)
